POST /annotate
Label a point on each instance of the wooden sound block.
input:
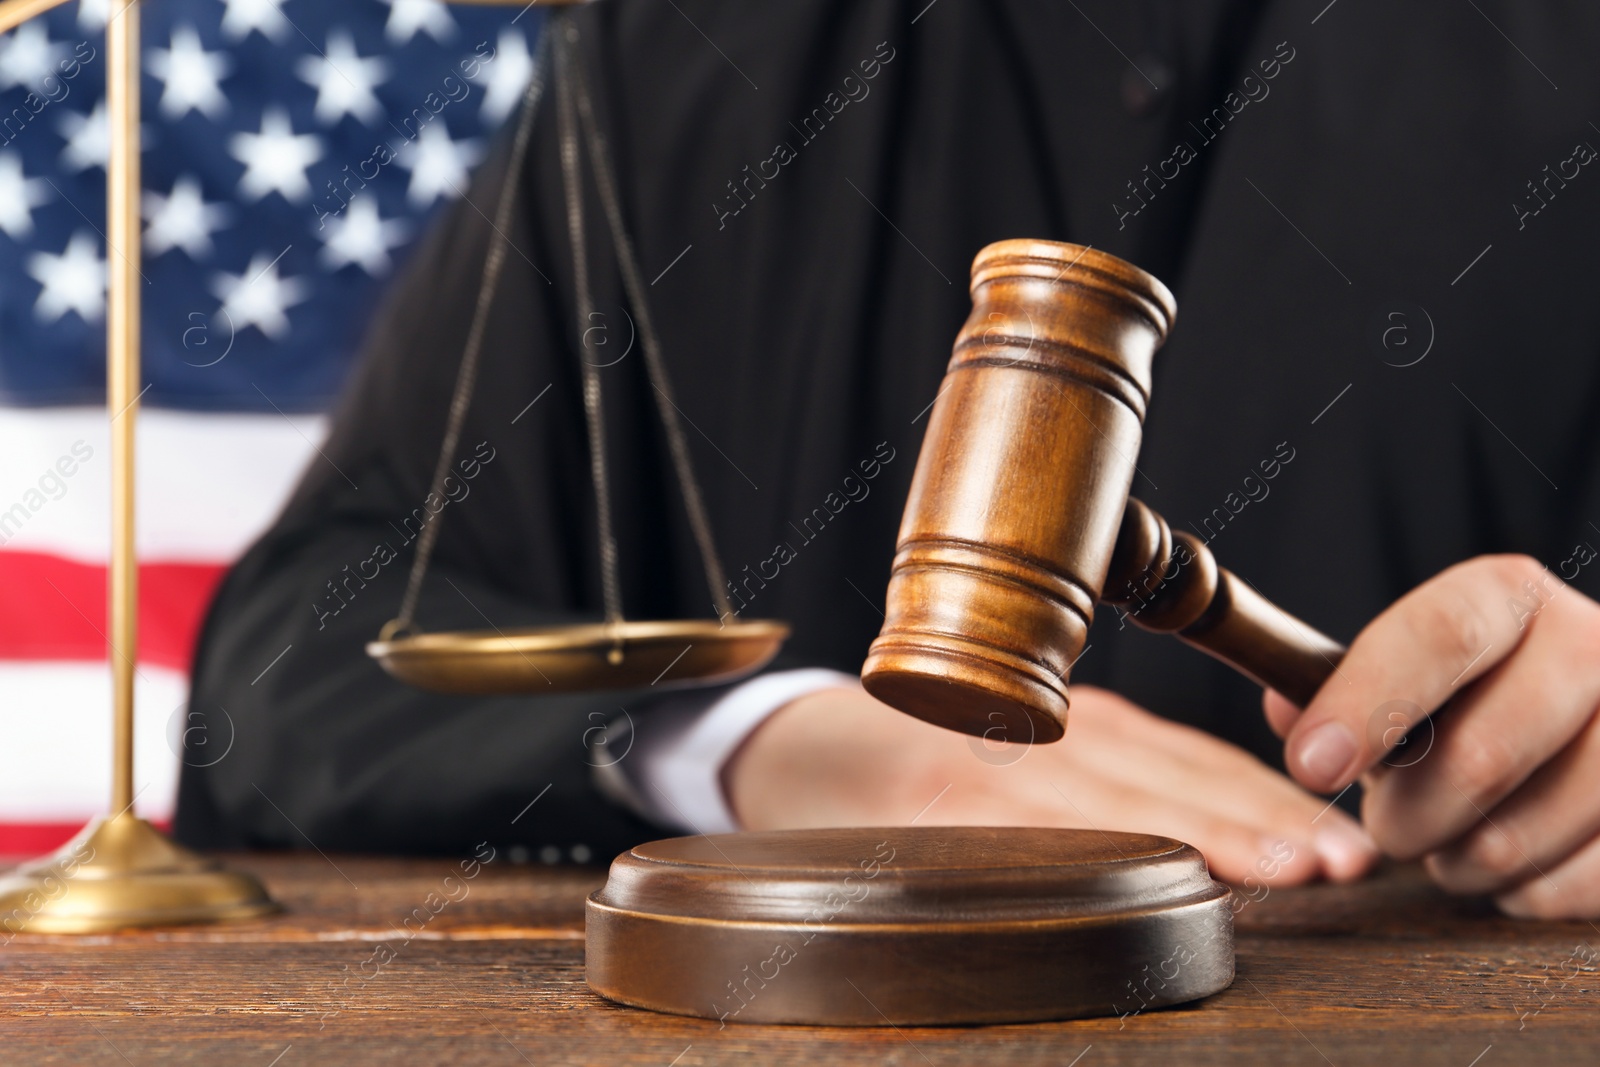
(909, 926)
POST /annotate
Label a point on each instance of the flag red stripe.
(55, 609)
(23, 841)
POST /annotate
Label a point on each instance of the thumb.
(1281, 712)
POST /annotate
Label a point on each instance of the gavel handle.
(1170, 583)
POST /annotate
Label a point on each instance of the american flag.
(293, 150)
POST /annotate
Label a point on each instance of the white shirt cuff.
(679, 747)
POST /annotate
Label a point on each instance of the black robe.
(807, 183)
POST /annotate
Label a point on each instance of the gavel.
(1019, 519)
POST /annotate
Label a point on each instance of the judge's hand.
(1498, 791)
(840, 758)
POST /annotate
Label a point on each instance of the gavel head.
(1019, 491)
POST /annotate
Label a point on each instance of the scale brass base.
(119, 871)
(910, 926)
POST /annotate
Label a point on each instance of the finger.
(1570, 891)
(1553, 815)
(1346, 855)
(1281, 712)
(1224, 781)
(1198, 770)
(1442, 635)
(1494, 736)
(1234, 851)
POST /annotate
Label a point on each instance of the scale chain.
(565, 57)
(632, 280)
(467, 376)
(573, 107)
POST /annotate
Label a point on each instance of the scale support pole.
(122, 376)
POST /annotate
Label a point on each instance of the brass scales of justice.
(1018, 522)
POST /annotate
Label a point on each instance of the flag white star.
(190, 75)
(182, 220)
(344, 81)
(258, 297)
(93, 14)
(265, 17)
(19, 195)
(505, 77)
(437, 164)
(406, 17)
(75, 280)
(28, 55)
(276, 158)
(361, 235)
(88, 138)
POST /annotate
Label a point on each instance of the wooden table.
(1386, 972)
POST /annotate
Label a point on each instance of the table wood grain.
(1389, 971)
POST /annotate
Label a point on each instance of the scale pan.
(566, 659)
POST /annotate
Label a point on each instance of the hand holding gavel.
(1019, 522)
